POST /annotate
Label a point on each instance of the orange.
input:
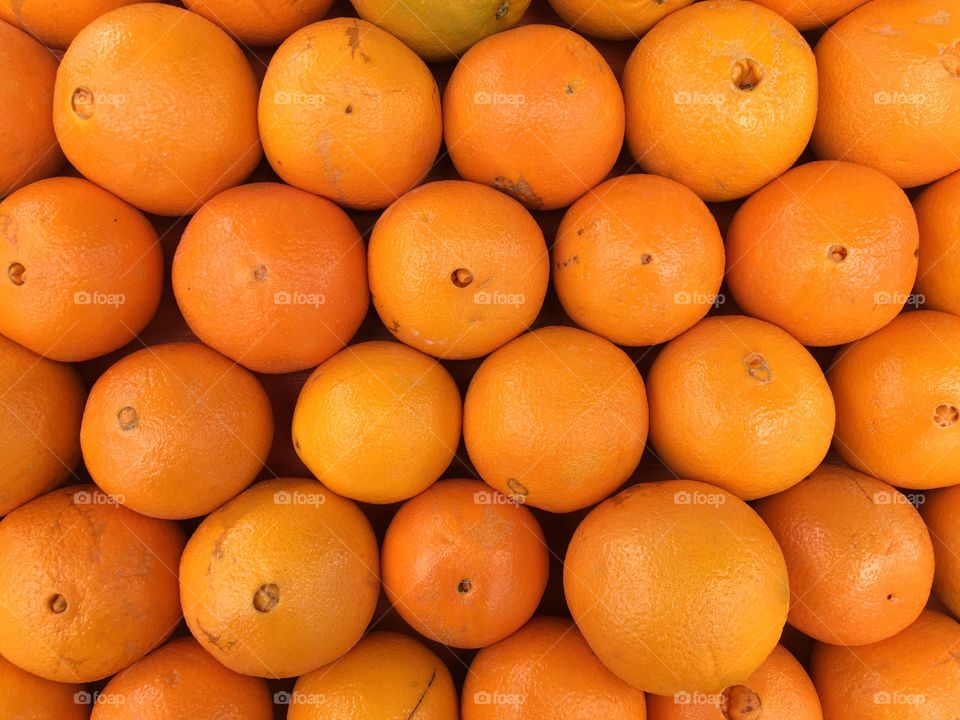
(261, 265)
(386, 675)
(780, 689)
(535, 112)
(941, 512)
(83, 269)
(811, 14)
(27, 697)
(912, 676)
(614, 19)
(545, 671)
(638, 260)
(721, 96)
(678, 586)
(378, 422)
(280, 580)
(157, 105)
(889, 90)
(87, 587)
(457, 269)
(898, 401)
(260, 22)
(858, 554)
(438, 30)
(41, 403)
(464, 565)
(27, 141)
(175, 430)
(53, 23)
(556, 418)
(938, 216)
(738, 403)
(182, 681)
(349, 112)
(828, 252)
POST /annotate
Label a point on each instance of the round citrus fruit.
(54, 24)
(941, 511)
(556, 418)
(464, 565)
(811, 14)
(638, 260)
(828, 252)
(83, 269)
(157, 105)
(385, 675)
(263, 264)
(87, 587)
(457, 269)
(280, 580)
(260, 22)
(938, 217)
(898, 401)
(677, 586)
(614, 19)
(27, 697)
(720, 96)
(535, 112)
(349, 112)
(889, 86)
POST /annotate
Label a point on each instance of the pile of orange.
(489, 359)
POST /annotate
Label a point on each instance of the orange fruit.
(385, 675)
(734, 367)
(941, 512)
(888, 86)
(858, 555)
(463, 565)
(546, 670)
(84, 270)
(912, 676)
(280, 580)
(51, 22)
(811, 14)
(41, 404)
(938, 217)
(457, 269)
(438, 30)
(27, 697)
(182, 681)
(338, 100)
(828, 252)
(556, 418)
(157, 105)
(27, 141)
(378, 422)
(260, 22)
(264, 263)
(779, 689)
(535, 112)
(87, 587)
(720, 96)
(175, 430)
(638, 260)
(614, 19)
(678, 586)
(898, 401)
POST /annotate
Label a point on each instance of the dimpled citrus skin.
(386, 675)
(535, 112)
(175, 430)
(263, 264)
(781, 686)
(378, 422)
(166, 113)
(75, 568)
(941, 512)
(897, 394)
(938, 217)
(421, 242)
(260, 22)
(83, 270)
(912, 676)
(889, 89)
(688, 119)
(638, 260)
(549, 665)
(40, 411)
(463, 565)
(828, 252)
(281, 580)
(338, 100)
(56, 22)
(27, 697)
(811, 14)
(858, 554)
(557, 418)
(678, 586)
(614, 19)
